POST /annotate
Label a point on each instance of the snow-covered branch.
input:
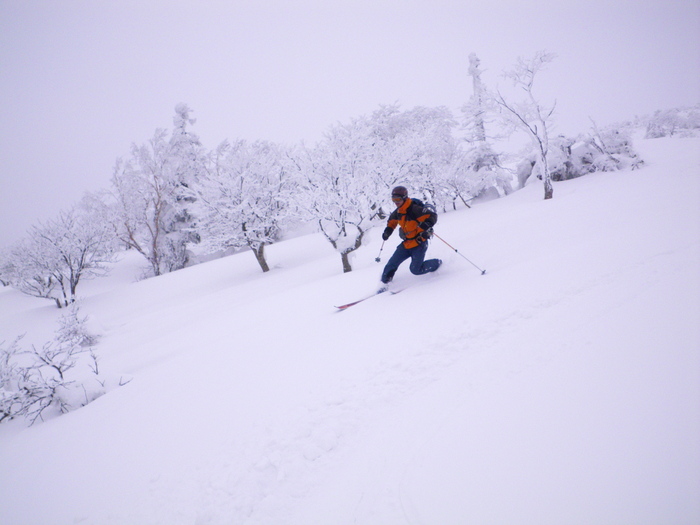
(58, 377)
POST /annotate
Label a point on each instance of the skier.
(416, 221)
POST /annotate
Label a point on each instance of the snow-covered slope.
(561, 387)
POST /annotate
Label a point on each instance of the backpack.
(427, 208)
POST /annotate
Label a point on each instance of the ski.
(348, 305)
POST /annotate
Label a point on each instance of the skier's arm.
(391, 225)
(427, 220)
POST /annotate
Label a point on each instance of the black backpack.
(427, 208)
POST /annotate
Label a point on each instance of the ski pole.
(457, 251)
(378, 259)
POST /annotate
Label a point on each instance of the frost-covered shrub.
(58, 377)
(477, 172)
(607, 150)
(572, 158)
(612, 149)
(567, 159)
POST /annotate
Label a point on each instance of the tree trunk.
(546, 175)
(345, 257)
(548, 189)
(260, 256)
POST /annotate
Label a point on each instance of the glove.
(424, 236)
(387, 233)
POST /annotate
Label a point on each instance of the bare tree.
(529, 114)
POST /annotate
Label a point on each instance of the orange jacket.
(414, 218)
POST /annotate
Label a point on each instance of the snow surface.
(561, 387)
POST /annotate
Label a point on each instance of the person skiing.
(416, 221)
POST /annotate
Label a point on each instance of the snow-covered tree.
(430, 136)
(29, 270)
(345, 180)
(415, 148)
(684, 122)
(55, 256)
(338, 184)
(247, 198)
(390, 156)
(186, 152)
(477, 169)
(529, 114)
(189, 164)
(153, 195)
(144, 206)
(6, 267)
(476, 110)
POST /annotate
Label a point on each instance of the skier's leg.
(417, 257)
(419, 265)
(400, 255)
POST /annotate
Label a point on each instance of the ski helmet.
(399, 192)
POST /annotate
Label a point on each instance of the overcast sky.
(80, 80)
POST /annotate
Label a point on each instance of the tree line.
(172, 194)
